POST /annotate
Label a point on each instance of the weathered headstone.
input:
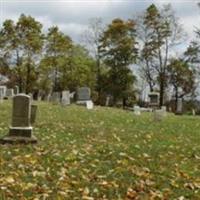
(31, 96)
(33, 113)
(158, 115)
(89, 105)
(10, 93)
(179, 106)
(55, 97)
(153, 99)
(21, 129)
(83, 94)
(65, 98)
(164, 109)
(16, 90)
(2, 91)
(107, 101)
(136, 110)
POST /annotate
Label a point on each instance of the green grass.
(101, 154)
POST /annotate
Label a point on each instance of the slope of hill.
(103, 153)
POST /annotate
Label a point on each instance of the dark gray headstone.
(20, 130)
(83, 94)
(153, 99)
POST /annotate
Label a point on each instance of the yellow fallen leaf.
(9, 179)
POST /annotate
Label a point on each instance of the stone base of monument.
(19, 135)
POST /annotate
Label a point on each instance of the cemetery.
(103, 108)
(89, 155)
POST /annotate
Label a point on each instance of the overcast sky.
(72, 16)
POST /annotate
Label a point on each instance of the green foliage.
(80, 70)
(57, 47)
(181, 77)
(21, 43)
(118, 49)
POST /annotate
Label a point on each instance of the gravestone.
(65, 98)
(89, 105)
(158, 115)
(164, 109)
(107, 101)
(136, 110)
(153, 99)
(33, 113)
(16, 90)
(21, 129)
(9, 93)
(83, 94)
(55, 97)
(2, 91)
(179, 108)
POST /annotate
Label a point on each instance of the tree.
(182, 78)
(78, 70)
(159, 34)
(118, 49)
(92, 39)
(57, 49)
(21, 43)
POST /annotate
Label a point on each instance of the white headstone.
(136, 110)
(164, 109)
(65, 98)
(89, 105)
(2, 91)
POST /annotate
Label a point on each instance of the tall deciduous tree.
(182, 78)
(159, 34)
(57, 46)
(21, 44)
(118, 49)
(92, 40)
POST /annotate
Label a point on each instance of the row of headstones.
(8, 92)
(64, 98)
(158, 114)
(162, 112)
(154, 102)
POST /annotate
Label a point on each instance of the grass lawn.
(101, 154)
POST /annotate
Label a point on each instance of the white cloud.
(72, 16)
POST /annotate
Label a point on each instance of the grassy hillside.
(103, 153)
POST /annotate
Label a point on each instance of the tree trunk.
(28, 78)
(176, 97)
(98, 87)
(162, 89)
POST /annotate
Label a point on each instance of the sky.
(72, 16)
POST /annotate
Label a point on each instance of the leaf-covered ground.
(101, 154)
